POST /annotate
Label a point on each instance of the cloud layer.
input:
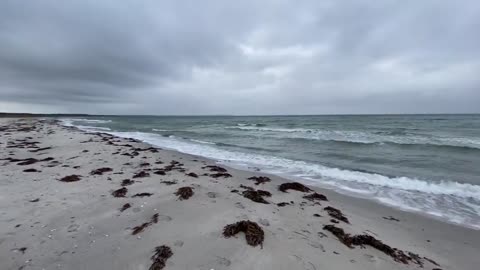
(250, 57)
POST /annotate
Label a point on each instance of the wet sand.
(76, 200)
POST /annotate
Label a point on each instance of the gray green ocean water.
(424, 163)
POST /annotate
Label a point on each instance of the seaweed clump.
(70, 178)
(141, 174)
(259, 179)
(214, 168)
(335, 213)
(253, 232)
(256, 195)
(127, 182)
(367, 240)
(184, 193)
(218, 175)
(100, 171)
(219, 171)
(142, 194)
(125, 207)
(162, 254)
(316, 196)
(295, 186)
(168, 183)
(283, 204)
(120, 192)
(140, 228)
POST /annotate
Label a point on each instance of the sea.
(422, 163)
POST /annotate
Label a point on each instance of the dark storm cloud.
(250, 57)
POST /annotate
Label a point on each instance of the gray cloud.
(251, 57)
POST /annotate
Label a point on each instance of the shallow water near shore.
(426, 163)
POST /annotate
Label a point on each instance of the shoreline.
(309, 182)
(308, 244)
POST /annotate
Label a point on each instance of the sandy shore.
(62, 192)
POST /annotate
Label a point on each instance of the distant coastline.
(16, 115)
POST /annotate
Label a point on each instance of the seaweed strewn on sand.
(253, 232)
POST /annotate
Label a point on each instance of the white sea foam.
(202, 142)
(360, 136)
(71, 121)
(96, 121)
(67, 122)
(161, 130)
(301, 168)
(92, 128)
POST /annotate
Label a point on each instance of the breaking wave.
(393, 137)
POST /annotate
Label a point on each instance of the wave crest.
(360, 137)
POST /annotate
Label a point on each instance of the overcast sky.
(240, 57)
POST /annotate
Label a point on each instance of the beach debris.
(29, 161)
(192, 174)
(282, 204)
(219, 171)
(259, 179)
(295, 186)
(131, 155)
(145, 164)
(122, 192)
(335, 213)
(22, 249)
(40, 149)
(168, 183)
(162, 254)
(391, 218)
(160, 172)
(100, 171)
(253, 232)
(214, 168)
(53, 164)
(141, 174)
(143, 194)
(35, 200)
(184, 193)
(416, 258)
(255, 195)
(363, 240)
(315, 196)
(431, 261)
(149, 149)
(174, 165)
(139, 229)
(125, 207)
(217, 175)
(127, 182)
(70, 178)
(31, 170)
